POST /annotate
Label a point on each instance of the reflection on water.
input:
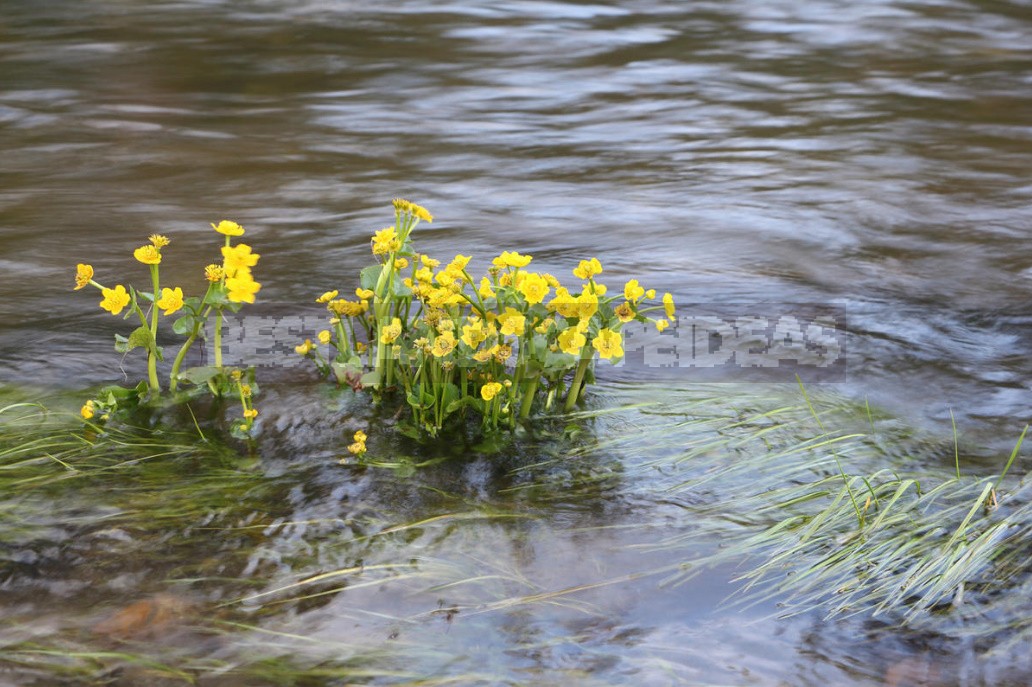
(873, 155)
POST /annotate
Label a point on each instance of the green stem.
(218, 337)
(578, 377)
(529, 390)
(173, 378)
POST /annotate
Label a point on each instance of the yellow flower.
(513, 322)
(490, 390)
(158, 240)
(587, 306)
(359, 446)
(428, 262)
(550, 280)
(245, 390)
(241, 288)
(327, 297)
(386, 241)
(459, 263)
(572, 341)
(347, 308)
(83, 275)
(421, 212)
(624, 312)
(360, 346)
(148, 255)
(88, 410)
(114, 299)
(305, 348)
(650, 294)
(446, 325)
(632, 291)
(251, 414)
(364, 294)
(534, 288)
(171, 300)
(484, 290)
(668, 305)
(587, 269)
(661, 325)
(596, 288)
(608, 343)
(545, 325)
(511, 259)
(485, 354)
(228, 228)
(502, 353)
(473, 334)
(443, 345)
(238, 257)
(564, 303)
(400, 263)
(391, 331)
(325, 336)
(214, 273)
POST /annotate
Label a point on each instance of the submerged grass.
(316, 574)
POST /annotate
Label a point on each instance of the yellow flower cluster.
(228, 283)
(512, 334)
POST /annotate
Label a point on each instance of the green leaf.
(199, 375)
(370, 275)
(370, 379)
(184, 325)
(217, 297)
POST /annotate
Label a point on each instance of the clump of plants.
(230, 284)
(451, 344)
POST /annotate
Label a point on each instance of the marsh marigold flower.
(158, 240)
(325, 336)
(228, 228)
(490, 390)
(534, 288)
(358, 447)
(114, 299)
(513, 322)
(484, 290)
(148, 255)
(608, 343)
(443, 345)
(83, 275)
(327, 297)
(242, 288)
(662, 324)
(624, 312)
(304, 348)
(88, 410)
(250, 413)
(587, 306)
(587, 269)
(572, 341)
(214, 273)
(386, 241)
(364, 294)
(632, 291)
(511, 259)
(171, 300)
(238, 257)
(668, 305)
(391, 331)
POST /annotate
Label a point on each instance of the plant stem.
(528, 397)
(218, 337)
(578, 377)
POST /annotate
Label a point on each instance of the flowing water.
(873, 158)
